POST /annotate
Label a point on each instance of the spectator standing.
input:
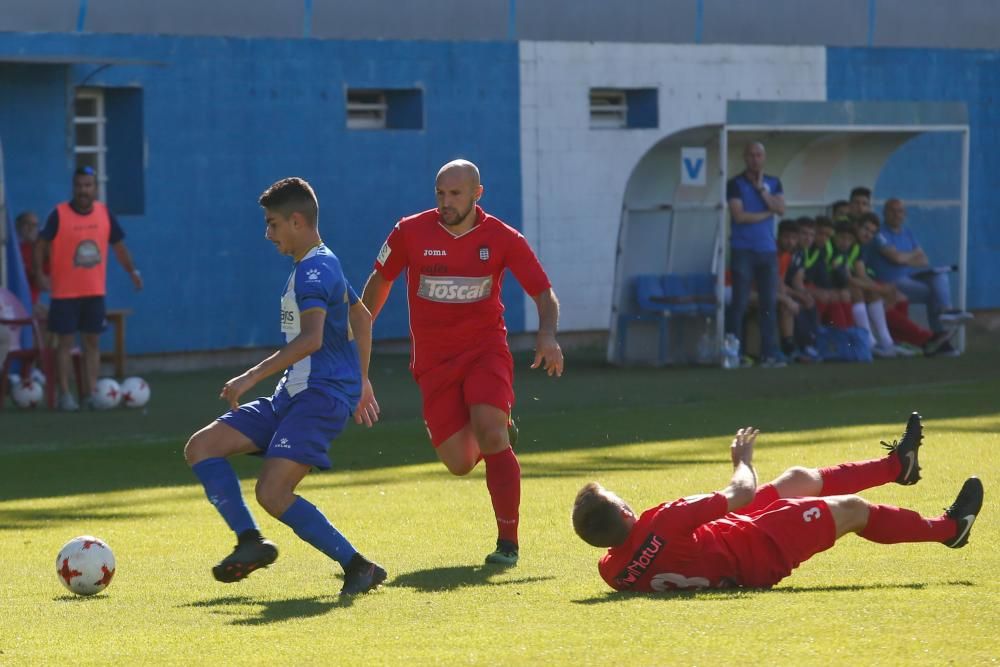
(76, 239)
(754, 199)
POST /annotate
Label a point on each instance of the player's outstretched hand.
(236, 387)
(549, 355)
(742, 447)
(367, 411)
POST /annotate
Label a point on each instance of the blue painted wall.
(223, 119)
(929, 166)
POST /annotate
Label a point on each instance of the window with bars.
(108, 137)
(90, 143)
(388, 109)
(624, 108)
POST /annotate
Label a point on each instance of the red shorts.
(788, 532)
(479, 376)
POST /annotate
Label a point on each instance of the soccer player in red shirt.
(745, 536)
(454, 257)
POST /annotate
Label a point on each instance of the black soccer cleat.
(964, 511)
(906, 449)
(251, 553)
(506, 554)
(361, 576)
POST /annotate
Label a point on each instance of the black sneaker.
(511, 431)
(906, 449)
(361, 576)
(940, 343)
(964, 511)
(506, 554)
(251, 553)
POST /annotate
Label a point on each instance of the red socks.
(503, 479)
(854, 477)
(891, 525)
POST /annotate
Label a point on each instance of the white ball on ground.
(38, 376)
(26, 393)
(135, 392)
(85, 565)
(107, 394)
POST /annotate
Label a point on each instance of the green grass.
(652, 435)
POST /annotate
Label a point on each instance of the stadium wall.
(574, 177)
(225, 117)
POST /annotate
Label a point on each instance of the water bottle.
(731, 352)
(706, 352)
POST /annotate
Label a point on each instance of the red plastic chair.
(14, 316)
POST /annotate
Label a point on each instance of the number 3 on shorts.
(811, 514)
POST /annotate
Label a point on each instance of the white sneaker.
(905, 350)
(883, 352)
(952, 316)
(67, 403)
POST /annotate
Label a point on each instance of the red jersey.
(692, 543)
(453, 283)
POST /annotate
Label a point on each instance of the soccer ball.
(38, 376)
(26, 393)
(107, 394)
(135, 392)
(85, 565)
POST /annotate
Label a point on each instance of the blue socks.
(309, 524)
(222, 487)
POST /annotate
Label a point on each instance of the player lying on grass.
(745, 536)
(327, 333)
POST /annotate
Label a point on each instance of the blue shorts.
(84, 314)
(299, 428)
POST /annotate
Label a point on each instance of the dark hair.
(788, 227)
(806, 221)
(869, 217)
(597, 519)
(291, 195)
(861, 191)
(843, 227)
(84, 171)
(823, 221)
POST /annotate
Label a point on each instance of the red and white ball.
(26, 393)
(135, 392)
(107, 394)
(85, 565)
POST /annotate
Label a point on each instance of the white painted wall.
(574, 178)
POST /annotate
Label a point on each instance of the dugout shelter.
(674, 219)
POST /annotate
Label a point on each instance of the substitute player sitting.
(327, 332)
(455, 257)
(744, 536)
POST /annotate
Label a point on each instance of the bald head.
(458, 189)
(754, 156)
(462, 169)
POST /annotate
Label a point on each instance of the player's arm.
(548, 354)
(309, 340)
(361, 326)
(743, 486)
(375, 293)
(125, 259)
(740, 216)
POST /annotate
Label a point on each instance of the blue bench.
(659, 297)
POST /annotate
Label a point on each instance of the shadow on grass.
(740, 593)
(438, 579)
(28, 519)
(271, 611)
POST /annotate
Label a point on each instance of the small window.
(108, 137)
(398, 109)
(621, 108)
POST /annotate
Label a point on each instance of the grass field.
(652, 435)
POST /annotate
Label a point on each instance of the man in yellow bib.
(76, 238)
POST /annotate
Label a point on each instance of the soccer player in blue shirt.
(325, 360)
